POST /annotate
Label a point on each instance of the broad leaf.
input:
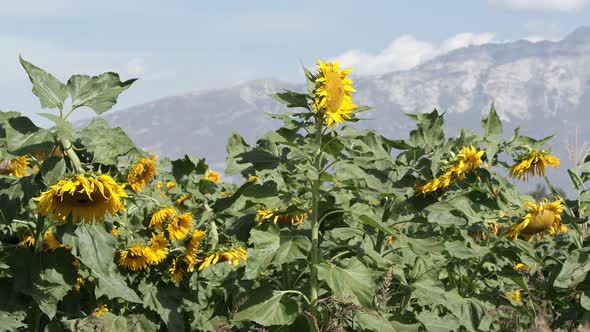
(96, 92)
(105, 143)
(352, 283)
(51, 92)
(268, 307)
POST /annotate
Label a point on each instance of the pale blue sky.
(180, 46)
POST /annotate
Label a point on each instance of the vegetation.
(326, 232)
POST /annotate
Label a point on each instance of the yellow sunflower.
(533, 163)
(134, 258)
(333, 93)
(521, 267)
(142, 173)
(157, 250)
(540, 219)
(468, 159)
(515, 296)
(279, 218)
(84, 197)
(192, 249)
(161, 216)
(232, 256)
(170, 184)
(28, 239)
(50, 242)
(177, 270)
(180, 201)
(18, 167)
(102, 308)
(254, 179)
(180, 226)
(212, 176)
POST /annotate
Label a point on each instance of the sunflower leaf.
(50, 91)
(268, 307)
(352, 283)
(105, 143)
(99, 93)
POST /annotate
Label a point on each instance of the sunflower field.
(318, 226)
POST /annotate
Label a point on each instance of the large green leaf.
(574, 269)
(292, 247)
(265, 245)
(268, 307)
(96, 249)
(165, 301)
(372, 321)
(430, 133)
(492, 126)
(352, 283)
(104, 142)
(51, 92)
(96, 92)
(24, 137)
(11, 321)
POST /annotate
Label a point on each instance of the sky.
(175, 47)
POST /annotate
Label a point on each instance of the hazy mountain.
(543, 87)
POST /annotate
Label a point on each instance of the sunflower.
(515, 296)
(102, 308)
(50, 242)
(468, 159)
(84, 197)
(161, 216)
(180, 201)
(192, 249)
(134, 258)
(18, 167)
(279, 218)
(521, 267)
(232, 256)
(142, 173)
(254, 179)
(540, 219)
(180, 226)
(28, 239)
(333, 93)
(212, 176)
(157, 250)
(177, 270)
(533, 163)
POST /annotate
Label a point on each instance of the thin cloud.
(541, 5)
(407, 52)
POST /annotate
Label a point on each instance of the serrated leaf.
(99, 93)
(292, 247)
(492, 126)
(105, 143)
(50, 91)
(352, 283)
(291, 99)
(268, 307)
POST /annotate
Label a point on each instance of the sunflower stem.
(72, 156)
(315, 221)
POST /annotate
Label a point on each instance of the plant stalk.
(72, 156)
(315, 204)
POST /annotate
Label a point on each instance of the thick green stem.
(72, 156)
(315, 205)
(286, 277)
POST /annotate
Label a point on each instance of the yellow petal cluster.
(468, 159)
(142, 173)
(134, 258)
(18, 167)
(177, 270)
(157, 250)
(541, 218)
(533, 163)
(192, 249)
(84, 197)
(161, 216)
(101, 310)
(212, 176)
(515, 296)
(521, 267)
(278, 218)
(232, 256)
(333, 93)
(180, 226)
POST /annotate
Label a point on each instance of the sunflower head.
(515, 296)
(161, 216)
(50, 242)
(541, 218)
(333, 93)
(180, 226)
(177, 270)
(254, 179)
(102, 308)
(133, 258)
(212, 176)
(18, 167)
(142, 173)
(192, 249)
(157, 250)
(232, 256)
(84, 197)
(469, 158)
(533, 163)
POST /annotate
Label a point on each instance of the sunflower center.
(335, 89)
(539, 222)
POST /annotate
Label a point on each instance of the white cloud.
(406, 52)
(539, 30)
(541, 5)
(136, 67)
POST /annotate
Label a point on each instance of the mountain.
(543, 87)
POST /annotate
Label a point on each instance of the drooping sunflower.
(18, 167)
(84, 197)
(50, 242)
(177, 270)
(279, 218)
(212, 176)
(157, 250)
(133, 258)
(533, 163)
(161, 216)
(541, 218)
(468, 159)
(183, 198)
(180, 226)
(192, 249)
(142, 173)
(333, 93)
(232, 256)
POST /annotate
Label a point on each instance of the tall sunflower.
(161, 216)
(142, 173)
(180, 226)
(533, 163)
(333, 93)
(541, 218)
(134, 258)
(84, 197)
(18, 167)
(157, 250)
